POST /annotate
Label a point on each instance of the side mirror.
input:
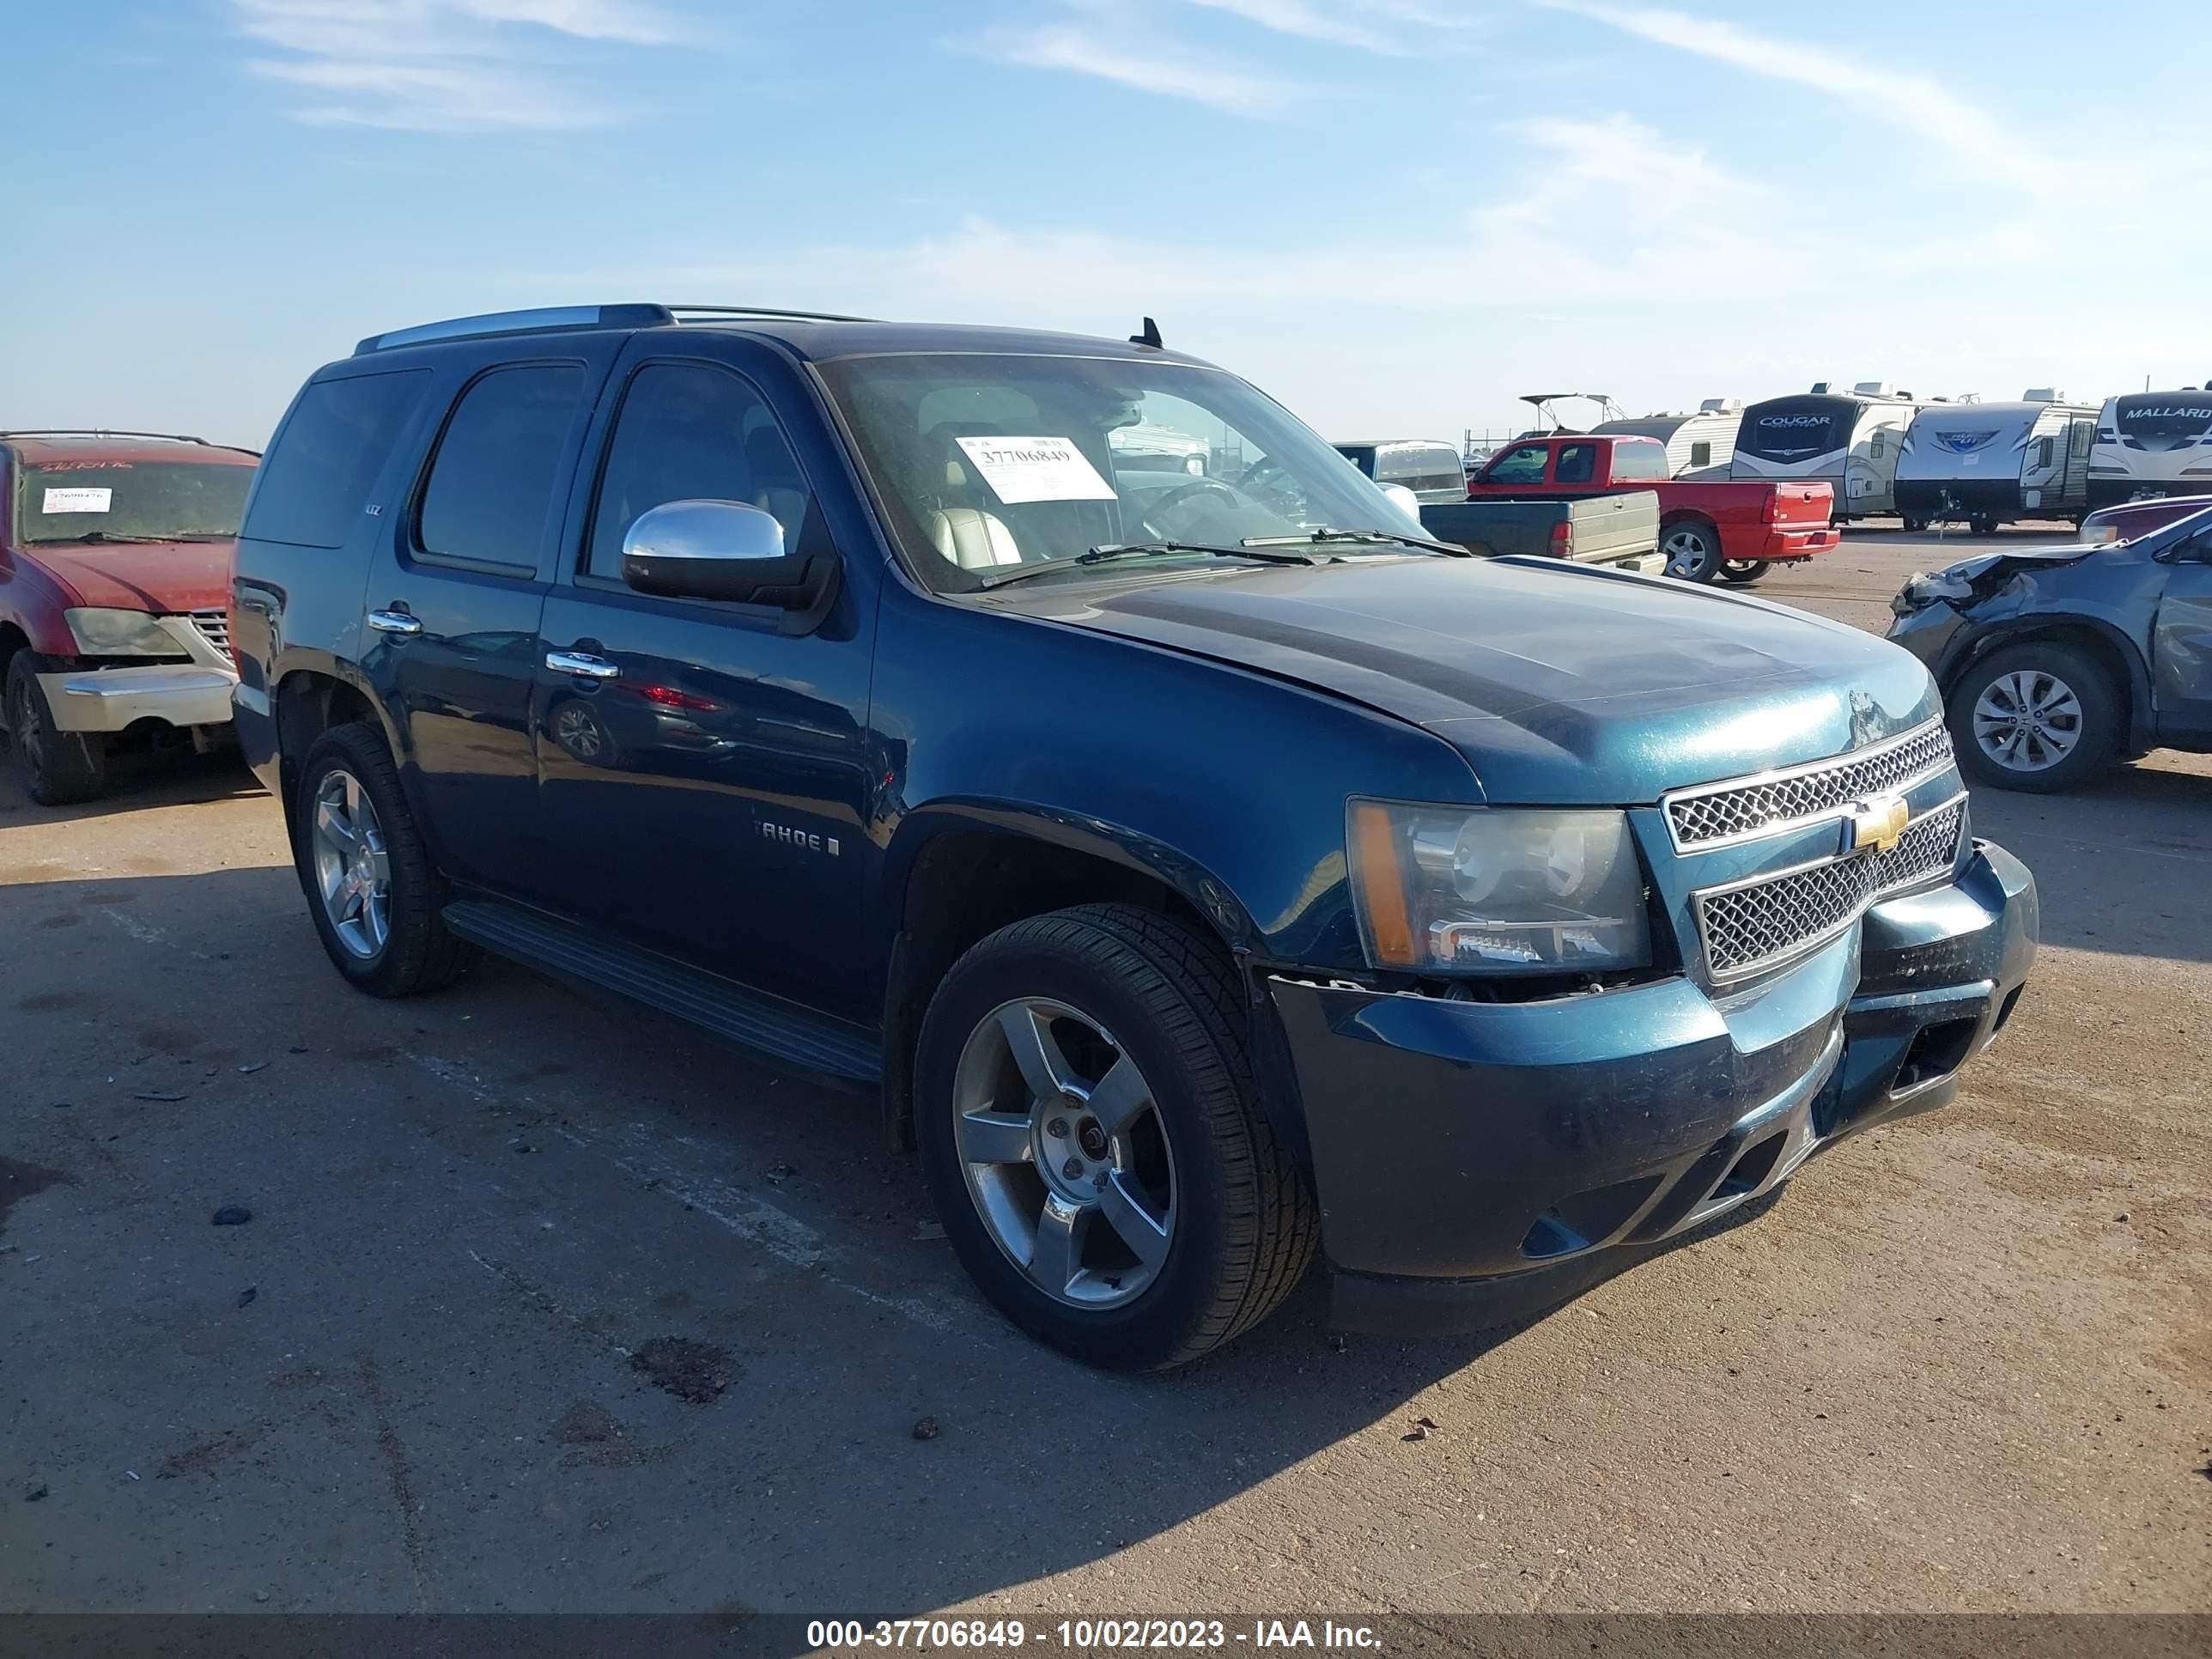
(1406, 501)
(725, 550)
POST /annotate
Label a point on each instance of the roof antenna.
(1151, 337)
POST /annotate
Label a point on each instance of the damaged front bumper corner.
(1478, 1161)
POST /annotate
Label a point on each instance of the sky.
(1395, 215)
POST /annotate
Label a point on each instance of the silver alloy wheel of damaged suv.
(1061, 1143)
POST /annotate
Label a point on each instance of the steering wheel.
(1268, 478)
(1167, 498)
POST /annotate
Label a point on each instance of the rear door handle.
(394, 622)
(582, 663)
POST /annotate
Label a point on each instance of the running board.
(779, 1029)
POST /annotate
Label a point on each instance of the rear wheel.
(59, 768)
(371, 888)
(1088, 1126)
(1982, 523)
(1914, 527)
(1692, 551)
(1743, 572)
(2040, 717)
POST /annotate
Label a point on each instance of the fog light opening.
(1936, 1051)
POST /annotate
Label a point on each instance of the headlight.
(120, 634)
(1444, 890)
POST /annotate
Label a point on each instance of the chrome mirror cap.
(703, 530)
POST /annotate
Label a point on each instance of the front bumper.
(111, 699)
(1476, 1163)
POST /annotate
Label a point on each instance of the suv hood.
(158, 576)
(1561, 685)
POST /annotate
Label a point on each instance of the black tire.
(2100, 719)
(1245, 1227)
(1914, 527)
(417, 954)
(1982, 523)
(1692, 548)
(1744, 572)
(59, 768)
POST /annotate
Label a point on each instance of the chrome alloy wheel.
(2028, 720)
(1691, 554)
(353, 876)
(1065, 1156)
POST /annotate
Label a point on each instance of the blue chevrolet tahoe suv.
(1208, 869)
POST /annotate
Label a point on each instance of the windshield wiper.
(117, 536)
(1365, 538)
(1110, 550)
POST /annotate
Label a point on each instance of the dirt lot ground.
(1961, 1364)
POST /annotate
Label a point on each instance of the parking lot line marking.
(781, 1234)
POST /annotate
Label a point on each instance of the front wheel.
(1089, 1128)
(2040, 717)
(1692, 551)
(1913, 526)
(1743, 572)
(371, 888)
(59, 768)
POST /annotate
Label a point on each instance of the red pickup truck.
(1735, 529)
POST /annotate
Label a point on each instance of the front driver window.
(691, 432)
(1519, 466)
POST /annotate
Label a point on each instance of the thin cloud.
(1313, 21)
(1079, 51)
(440, 65)
(1913, 102)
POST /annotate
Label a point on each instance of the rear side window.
(1418, 468)
(314, 484)
(491, 483)
(1576, 462)
(687, 432)
(1642, 463)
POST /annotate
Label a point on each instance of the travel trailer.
(1988, 463)
(1848, 439)
(1694, 442)
(2152, 443)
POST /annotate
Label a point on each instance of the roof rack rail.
(520, 322)
(768, 311)
(108, 432)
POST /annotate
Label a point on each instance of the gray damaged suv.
(2057, 661)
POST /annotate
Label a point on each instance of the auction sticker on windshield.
(1036, 470)
(77, 500)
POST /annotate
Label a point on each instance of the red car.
(115, 553)
(2123, 521)
(1731, 528)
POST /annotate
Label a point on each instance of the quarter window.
(314, 484)
(1642, 463)
(491, 485)
(690, 432)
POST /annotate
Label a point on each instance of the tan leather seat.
(972, 538)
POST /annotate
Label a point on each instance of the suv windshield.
(987, 463)
(130, 500)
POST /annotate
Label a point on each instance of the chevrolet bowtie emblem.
(1878, 824)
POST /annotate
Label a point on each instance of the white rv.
(2152, 443)
(1694, 442)
(1848, 440)
(1989, 463)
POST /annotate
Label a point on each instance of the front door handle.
(582, 663)
(395, 622)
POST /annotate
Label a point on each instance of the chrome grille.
(214, 627)
(1715, 813)
(1754, 925)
